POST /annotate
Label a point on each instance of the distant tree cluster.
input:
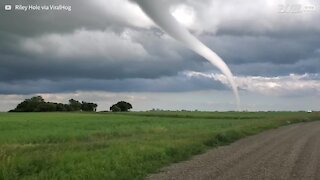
(37, 104)
(121, 106)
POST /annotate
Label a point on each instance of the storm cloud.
(111, 46)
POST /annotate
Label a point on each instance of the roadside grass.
(120, 145)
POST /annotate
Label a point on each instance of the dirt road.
(290, 152)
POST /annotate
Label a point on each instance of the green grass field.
(119, 145)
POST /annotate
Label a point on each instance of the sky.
(104, 51)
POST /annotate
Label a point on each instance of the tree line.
(38, 104)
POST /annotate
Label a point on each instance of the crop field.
(120, 145)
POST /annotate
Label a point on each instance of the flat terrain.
(290, 152)
(125, 145)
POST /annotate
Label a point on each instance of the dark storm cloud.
(110, 45)
(55, 62)
(94, 14)
(268, 55)
(13, 68)
(251, 49)
(269, 69)
(179, 83)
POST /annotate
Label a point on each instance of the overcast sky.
(109, 50)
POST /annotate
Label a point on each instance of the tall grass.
(121, 145)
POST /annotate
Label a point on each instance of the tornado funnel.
(158, 11)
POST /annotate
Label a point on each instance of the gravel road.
(291, 152)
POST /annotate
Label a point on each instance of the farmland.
(120, 145)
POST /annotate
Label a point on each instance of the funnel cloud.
(159, 13)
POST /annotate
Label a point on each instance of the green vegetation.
(121, 106)
(119, 145)
(37, 104)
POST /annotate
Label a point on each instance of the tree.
(29, 105)
(85, 106)
(74, 105)
(46, 107)
(62, 107)
(122, 105)
(115, 108)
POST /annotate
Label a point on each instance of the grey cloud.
(179, 83)
(271, 69)
(95, 55)
(94, 14)
(12, 69)
(246, 49)
(292, 85)
(85, 44)
(252, 43)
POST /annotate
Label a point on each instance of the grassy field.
(122, 145)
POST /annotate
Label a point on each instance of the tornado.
(158, 11)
